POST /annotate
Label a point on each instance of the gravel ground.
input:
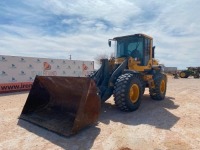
(169, 124)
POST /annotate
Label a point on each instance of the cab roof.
(139, 34)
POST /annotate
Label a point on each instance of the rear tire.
(128, 91)
(196, 76)
(160, 82)
(184, 74)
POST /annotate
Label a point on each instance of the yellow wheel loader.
(65, 105)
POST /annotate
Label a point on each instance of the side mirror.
(153, 52)
(109, 43)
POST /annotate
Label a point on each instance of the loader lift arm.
(106, 76)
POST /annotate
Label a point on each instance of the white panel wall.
(15, 69)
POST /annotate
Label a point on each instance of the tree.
(103, 56)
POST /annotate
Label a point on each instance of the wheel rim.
(134, 93)
(182, 74)
(162, 86)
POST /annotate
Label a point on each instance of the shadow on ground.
(154, 113)
(14, 93)
(151, 112)
(83, 140)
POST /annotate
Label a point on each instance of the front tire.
(128, 91)
(159, 91)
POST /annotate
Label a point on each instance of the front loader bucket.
(62, 104)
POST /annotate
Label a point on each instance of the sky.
(81, 28)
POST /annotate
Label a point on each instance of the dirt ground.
(173, 123)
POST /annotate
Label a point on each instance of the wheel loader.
(65, 105)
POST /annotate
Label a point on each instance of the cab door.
(147, 47)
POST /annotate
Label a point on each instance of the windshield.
(130, 46)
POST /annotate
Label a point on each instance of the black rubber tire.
(196, 76)
(121, 92)
(156, 93)
(186, 74)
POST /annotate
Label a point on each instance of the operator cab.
(137, 46)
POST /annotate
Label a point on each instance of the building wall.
(170, 69)
(18, 73)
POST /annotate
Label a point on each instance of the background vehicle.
(191, 71)
(67, 104)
